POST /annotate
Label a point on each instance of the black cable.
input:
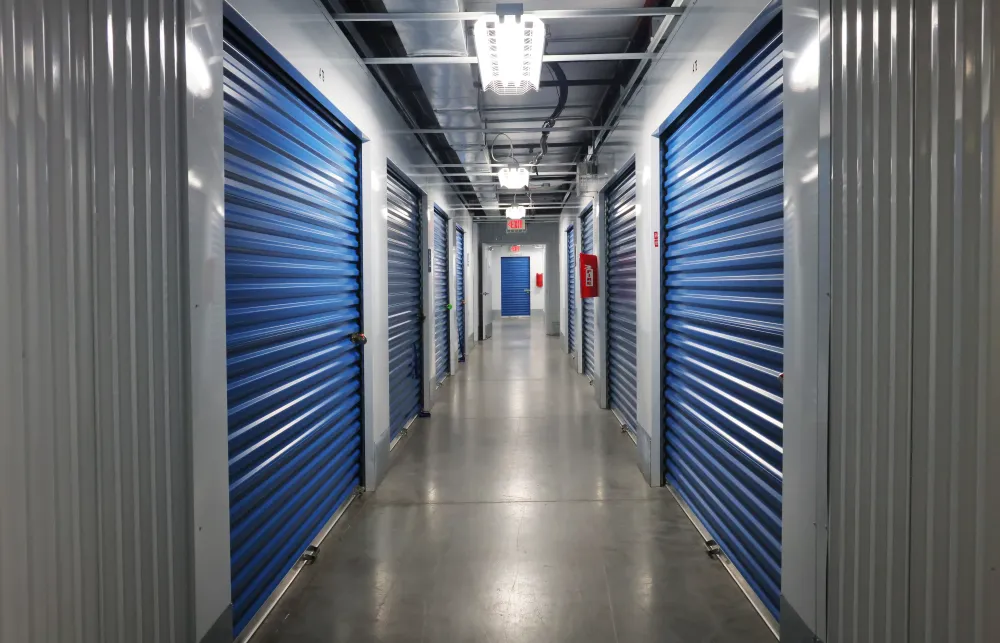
(563, 86)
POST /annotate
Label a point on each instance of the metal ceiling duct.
(450, 89)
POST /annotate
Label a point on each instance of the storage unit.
(515, 286)
(589, 323)
(460, 290)
(406, 370)
(571, 288)
(293, 298)
(620, 267)
(442, 318)
(723, 305)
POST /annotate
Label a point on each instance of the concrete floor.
(515, 513)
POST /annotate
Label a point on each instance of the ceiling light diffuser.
(513, 178)
(516, 212)
(509, 49)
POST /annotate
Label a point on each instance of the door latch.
(359, 339)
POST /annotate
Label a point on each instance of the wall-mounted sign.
(515, 248)
(516, 225)
(656, 239)
(589, 284)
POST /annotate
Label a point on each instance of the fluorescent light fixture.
(509, 48)
(513, 177)
(515, 212)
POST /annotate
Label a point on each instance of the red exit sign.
(515, 225)
(515, 248)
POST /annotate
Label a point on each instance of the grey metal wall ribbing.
(460, 290)
(406, 363)
(620, 200)
(915, 333)
(442, 316)
(95, 457)
(589, 321)
(723, 304)
(293, 303)
(571, 288)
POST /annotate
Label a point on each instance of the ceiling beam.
(570, 82)
(511, 108)
(470, 60)
(482, 166)
(509, 130)
(545, 14)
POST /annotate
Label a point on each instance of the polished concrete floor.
(515, 513)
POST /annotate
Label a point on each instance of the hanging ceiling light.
(509, 47)
(515, 212)
(513, 177)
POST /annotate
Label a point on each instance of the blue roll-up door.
(620, 270)
(571, 288)
(460, 290)
(515, 286)
(442, 326)
(723, 285)
(589, 322)
(293, 300)
(406, 364)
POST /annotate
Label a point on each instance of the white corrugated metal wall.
(94, 456)
(915, 335)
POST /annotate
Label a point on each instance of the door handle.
(527, 290)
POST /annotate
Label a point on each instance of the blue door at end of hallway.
(515, 286)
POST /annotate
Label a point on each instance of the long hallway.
(516, 513)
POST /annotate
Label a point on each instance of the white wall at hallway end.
(300, 30)
(536, 257)
(695, 45)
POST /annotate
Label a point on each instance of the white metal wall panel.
(915, 335)
(588, 305)
(620, 279)
(95, 503)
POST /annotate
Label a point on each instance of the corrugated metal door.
(589, 325)
(571, 288)
(724, 285)
(293, 298)
(460, 290)
(405, 303)
(515, 286)
(621, 266)
(442, 327)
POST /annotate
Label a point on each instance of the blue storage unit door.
(515, 286)
(442, 318)
(589, 323)
(723, 298)
(293, 301)
(460, 290)
(571, 288)
(620, 271)
(406, 363)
